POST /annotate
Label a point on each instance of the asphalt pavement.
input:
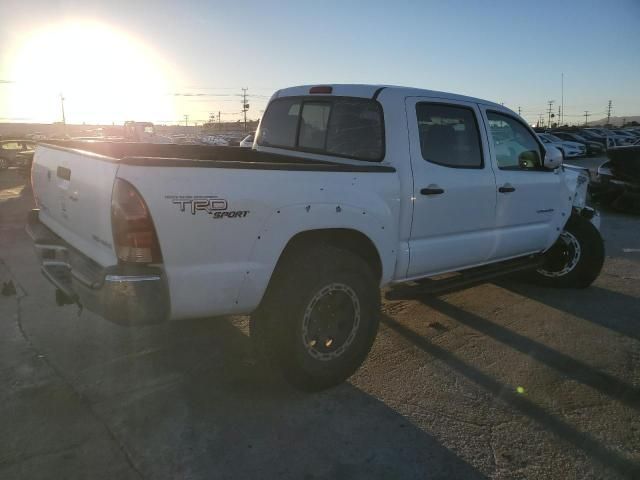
(502, 380)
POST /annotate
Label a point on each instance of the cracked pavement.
(502, 380)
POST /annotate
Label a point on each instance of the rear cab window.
(346, 127)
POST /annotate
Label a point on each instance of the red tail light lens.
(321, 89)
(134, 235)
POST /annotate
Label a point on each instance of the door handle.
(506, 188)
(435, 190)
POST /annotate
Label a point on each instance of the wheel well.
(351, 240)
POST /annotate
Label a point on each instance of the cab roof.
(371, 91)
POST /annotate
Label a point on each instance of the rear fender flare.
(287, 222)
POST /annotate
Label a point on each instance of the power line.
(586, 117)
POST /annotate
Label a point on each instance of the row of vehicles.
(589, 141)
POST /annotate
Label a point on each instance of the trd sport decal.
(214, 206)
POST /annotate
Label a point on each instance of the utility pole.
(609, 114)
(586, 117)
(519, 111)
(550, 102)
(245, 107)
(562, 98)
(64, 120)
(219, 120)
(559, 116)
(186, 120)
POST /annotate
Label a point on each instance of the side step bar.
(464, 279)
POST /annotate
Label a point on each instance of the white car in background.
(247, 142)
(567, 148)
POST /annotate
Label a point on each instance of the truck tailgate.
(73, 191)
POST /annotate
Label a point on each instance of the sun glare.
(105, 76)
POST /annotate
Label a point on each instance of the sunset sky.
(159, 61)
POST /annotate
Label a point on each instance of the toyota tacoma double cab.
(347, 189)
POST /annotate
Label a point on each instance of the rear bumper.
(123, 294)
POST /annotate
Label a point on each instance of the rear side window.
(449, 135)
(280, 124)
(340, 126)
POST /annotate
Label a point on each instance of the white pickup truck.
(348, 188)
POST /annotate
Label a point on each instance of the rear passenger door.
(454, 191)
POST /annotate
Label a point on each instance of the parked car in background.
(593, 136)
(144, 132)
(593, 147)
(14, 152)
(567, 148)
(247, 142)
(631, 136)
(613, 139)
(617, 182)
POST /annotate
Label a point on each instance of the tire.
(319, 317)
(576, 259)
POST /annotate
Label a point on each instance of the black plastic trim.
(376, 93)
(204, 156)
(304, 165)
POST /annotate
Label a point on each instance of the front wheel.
(576, 259)
(319, 317)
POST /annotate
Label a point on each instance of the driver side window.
(515, 147)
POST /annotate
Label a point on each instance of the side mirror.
(553, 158)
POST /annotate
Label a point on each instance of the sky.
(161, 60)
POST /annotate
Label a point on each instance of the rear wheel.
(576, 259)
(319, 317)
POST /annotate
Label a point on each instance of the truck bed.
(217, 259)
(204, 156)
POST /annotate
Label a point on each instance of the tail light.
(134, 235)
(321, 89)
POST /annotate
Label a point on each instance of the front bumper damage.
(123, 294)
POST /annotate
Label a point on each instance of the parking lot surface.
(503, 380)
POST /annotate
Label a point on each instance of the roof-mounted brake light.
(321, 89)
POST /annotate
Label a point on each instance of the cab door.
(530, 199)
(454, 190)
